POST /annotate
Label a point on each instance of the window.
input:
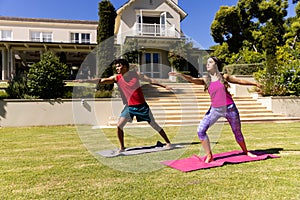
(75, 37)
(41, 36)
(6, 35)
(47, 37)
(85, 38)
(35, 36)
(151, 2)
(80, 38)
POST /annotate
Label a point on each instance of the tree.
(46, 77)
(244, 24)
(226, 28)
(105, 40)
(269, 44)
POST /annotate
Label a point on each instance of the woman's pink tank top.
(219, 95)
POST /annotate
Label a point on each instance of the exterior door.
(152, 65)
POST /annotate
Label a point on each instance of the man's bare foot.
(251, 154)
(121, 150)
(168, 146)
(209, 158)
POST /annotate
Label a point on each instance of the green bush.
(285, 83)
(3, 94)
(103, 94)
(46, 77)
(242, 69)
(290, 79)
(17, 88)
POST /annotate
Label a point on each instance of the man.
(133, 99)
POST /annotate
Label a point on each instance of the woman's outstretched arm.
(234, 80)
(198, 81)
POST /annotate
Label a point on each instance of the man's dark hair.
(122, 62)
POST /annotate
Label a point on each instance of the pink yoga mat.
(195, 162)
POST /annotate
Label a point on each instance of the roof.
(47, 20)
(182, 13)
(57, 46)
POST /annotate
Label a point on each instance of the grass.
(53, 163)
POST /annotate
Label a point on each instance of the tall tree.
(245, 21)
(226, 27)
(105, 40)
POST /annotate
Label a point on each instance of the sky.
(196, 25)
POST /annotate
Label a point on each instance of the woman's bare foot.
(209, 158)
(251, 154)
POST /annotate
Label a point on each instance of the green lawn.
(53, 163)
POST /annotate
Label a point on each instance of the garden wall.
(15, 113)
(242, 90)
(289, 106)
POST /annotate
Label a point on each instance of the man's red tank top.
(130, 88)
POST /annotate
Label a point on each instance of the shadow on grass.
(159, 144)
(269, 151)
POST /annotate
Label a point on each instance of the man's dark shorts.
(142, 112)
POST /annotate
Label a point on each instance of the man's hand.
(78, 81)
(174, 74)
(169, 88)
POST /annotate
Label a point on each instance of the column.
(200, 66)
(2, 64)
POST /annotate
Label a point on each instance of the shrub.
(3, 94)
(17, 88)
(103, 94)
(285, 83)
(46, 78)
(242, 69)
(291, 80)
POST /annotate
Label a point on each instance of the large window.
(6, 35)
(41, 36)
(80, 38)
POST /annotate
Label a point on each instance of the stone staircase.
(188, 103)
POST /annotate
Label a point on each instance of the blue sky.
(196, 25)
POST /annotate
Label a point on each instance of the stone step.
(188, 122)
(200, 115)
(175, 103)
(198, 111)
(189, 102)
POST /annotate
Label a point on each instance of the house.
(152, 27)
(145, 29)
(23, 40)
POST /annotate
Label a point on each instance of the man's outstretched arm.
(152, 81)
(109, 80)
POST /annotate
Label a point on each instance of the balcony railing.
(143, 29)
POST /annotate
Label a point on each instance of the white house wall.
(128, 19)
(60, 31)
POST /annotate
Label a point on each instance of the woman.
(222, 104)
